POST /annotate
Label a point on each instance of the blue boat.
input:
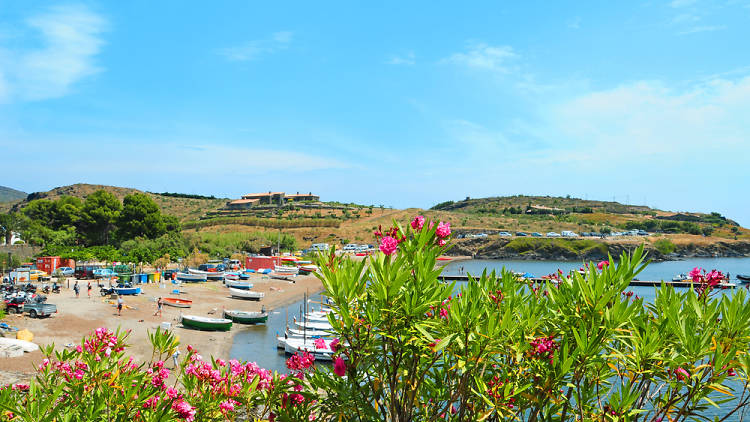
(244, 276)
(128, 290)
(244, 285)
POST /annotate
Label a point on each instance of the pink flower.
(320, 343)
(417, 223)
(696, 275)
(227, 406)
(184, 410)
(172, 393)
(388, 245)
(443, 313)
(443, 230)
(682, 374)
(339, 367)
(441, 242)
(335, 345)
(602, 264)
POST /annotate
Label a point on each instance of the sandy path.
(77, 317)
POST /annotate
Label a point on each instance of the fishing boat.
(681, 277)
(205, 323)
(282, 276)
(296, 332)
(315, 325)
(127, 290)
(215, 276)
(244, 317)
(191, 278)
(209, 275)
(245, 294)
(244, 285)
(231, 276)
(443, 258)
(244, 276)
(744, 278)
(177, 303)
(292, 346)
(286, 269)
(307, 269)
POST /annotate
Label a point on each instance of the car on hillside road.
(521, 234)
(553, 234)
(537, 234)
(504, 234)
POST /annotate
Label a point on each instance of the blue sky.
(402, 103)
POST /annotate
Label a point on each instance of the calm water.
(258, 343)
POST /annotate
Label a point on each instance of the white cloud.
(485, 57)
(252, 50)
(682, 3)
(574, 23)
(408, 59)
(70, 38)
(703, 28)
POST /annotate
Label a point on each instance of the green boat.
(207, 324)
(243, 317)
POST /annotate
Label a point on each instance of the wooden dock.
(635, 283)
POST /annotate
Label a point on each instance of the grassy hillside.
(9, 194)
(184, 207)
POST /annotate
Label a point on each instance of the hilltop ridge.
(9, 194)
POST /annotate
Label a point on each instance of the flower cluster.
(706, 280)
(300, 362)
(442, 312)
(103, 342)
(497, 391)
(602, 264)
(544, 347)
(390, 240)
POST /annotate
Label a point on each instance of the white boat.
(293, 346)
(286, 269)
(198, 272)
(314, 325)
(245, 294)
(681, 277)
(296, 332)
(231, 276)
(244, 285)
(191, 278)
(282, 276)
(210, 275)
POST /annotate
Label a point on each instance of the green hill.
(9, 194)
(183, 206)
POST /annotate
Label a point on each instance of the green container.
(125, 278)
(151, 278)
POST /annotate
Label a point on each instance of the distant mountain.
(10, 194)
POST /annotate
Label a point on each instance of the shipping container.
(48, 264)
(259, 262)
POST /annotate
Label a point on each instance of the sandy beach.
(77, 317)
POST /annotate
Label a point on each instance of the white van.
(319, 247)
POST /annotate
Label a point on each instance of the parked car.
(504, 234)
(537, 234)
(66, 271)
(553, 234)
(568, 233)
(86, 271)
(521, 234)
(642, 233)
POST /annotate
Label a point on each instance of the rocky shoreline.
(567, 250)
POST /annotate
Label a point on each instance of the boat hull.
(245, 294)
(191, 278)
(128, 291)
(206, 324)
(177, 303)
(246, 317)
(242, 285)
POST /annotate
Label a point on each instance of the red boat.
(177, 303)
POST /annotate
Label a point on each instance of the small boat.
(443, 258)
(307, 269)
(208, 324)
(681, 277)
(243, 317)
(244, 285)
(296, 332)
(191, 278)
(279, 276)
(244, 276)
(314, 325)
(177, 303)
(199, 272)
(743, 277)
(231, 276)
(292, 346)
(245, 294)
(126, 290)
(215, 276)
(286, 269)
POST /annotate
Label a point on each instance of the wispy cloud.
(703, 28)
(682, 3)
(252, 50)
(70, 38)
(408, 59)
(485, 57)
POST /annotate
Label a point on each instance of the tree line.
(99, 220)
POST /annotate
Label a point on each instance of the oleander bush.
(412, 348)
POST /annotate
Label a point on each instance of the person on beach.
(175, 356)
(158, 307)
(89, 290)
(119, 305)
(76, 289)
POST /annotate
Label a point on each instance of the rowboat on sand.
(177, 303)
(245, 294)
(243, 285)
(243, 317)
(207, 324)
